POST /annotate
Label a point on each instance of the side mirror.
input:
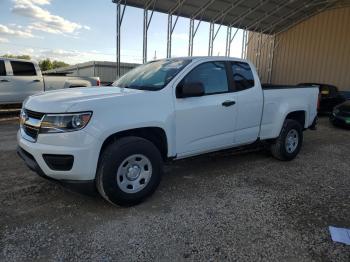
(190, 90)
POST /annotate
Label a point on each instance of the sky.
(84, 30)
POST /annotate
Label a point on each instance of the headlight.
(336, 111)
(59, 123)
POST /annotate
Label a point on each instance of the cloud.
(72, 56)
(15, 31)
(43, 19)
(3, 40)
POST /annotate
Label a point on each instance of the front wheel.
(288, 144)
(129, 171)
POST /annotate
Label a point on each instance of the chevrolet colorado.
(117, 138)
(22, 78)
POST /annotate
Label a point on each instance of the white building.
(105, 70)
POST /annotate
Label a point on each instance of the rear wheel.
(288, 144)
(129, 171)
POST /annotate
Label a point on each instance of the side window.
(242, 76)
(212, 75)
(23, 68)
(2, 68)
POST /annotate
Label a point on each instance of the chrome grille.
(35, 115)
(30, 124)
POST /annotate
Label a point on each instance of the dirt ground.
(224, 206)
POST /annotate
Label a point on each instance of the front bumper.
(82, 186)
(80, 145)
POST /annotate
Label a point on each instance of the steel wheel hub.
(292, 141)
(134, 173)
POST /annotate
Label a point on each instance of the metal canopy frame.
(264, 17)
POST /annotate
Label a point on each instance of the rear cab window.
(2, 68)
(242, 76)
(20, 68)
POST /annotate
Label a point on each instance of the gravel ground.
(224, 206)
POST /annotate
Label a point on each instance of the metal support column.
(258, 54)
(146, 23)
(190, 38)
(228, 44)
(211, 39)
(119, 20)
(192, 34)
(197, 15)
(229, 40)
(171, 28)
(169, 34)
(243, 44)
(212, 36)
(145, 29)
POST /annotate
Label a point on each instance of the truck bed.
(283, 99)
(276, 86)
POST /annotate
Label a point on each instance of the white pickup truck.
(116, 138)
(22, 78)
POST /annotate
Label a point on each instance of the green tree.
(25, 57)
(45, 64)
(58, 64)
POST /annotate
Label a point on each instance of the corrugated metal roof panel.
(267, 16)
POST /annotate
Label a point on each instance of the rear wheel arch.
(299, 116)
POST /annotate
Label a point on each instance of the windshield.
(152, 76)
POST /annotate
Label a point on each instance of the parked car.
(341, 115)
(345, 94)
(118, 137)
(22, 78)
(329, 97)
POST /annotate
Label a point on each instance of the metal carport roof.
(269, 17)
(265, 16)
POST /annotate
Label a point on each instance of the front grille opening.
(35, 115)
(59, 162)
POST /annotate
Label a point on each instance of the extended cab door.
(249, 102)
(206, 123)
(25, 80)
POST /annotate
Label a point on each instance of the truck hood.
(59, 101)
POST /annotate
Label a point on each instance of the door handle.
(36, 80)
(228, 103)
(4, 80)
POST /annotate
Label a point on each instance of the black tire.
(279, 148)
(111, 159)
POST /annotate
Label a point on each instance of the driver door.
(206, 123)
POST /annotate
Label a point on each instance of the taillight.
(98, 82)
